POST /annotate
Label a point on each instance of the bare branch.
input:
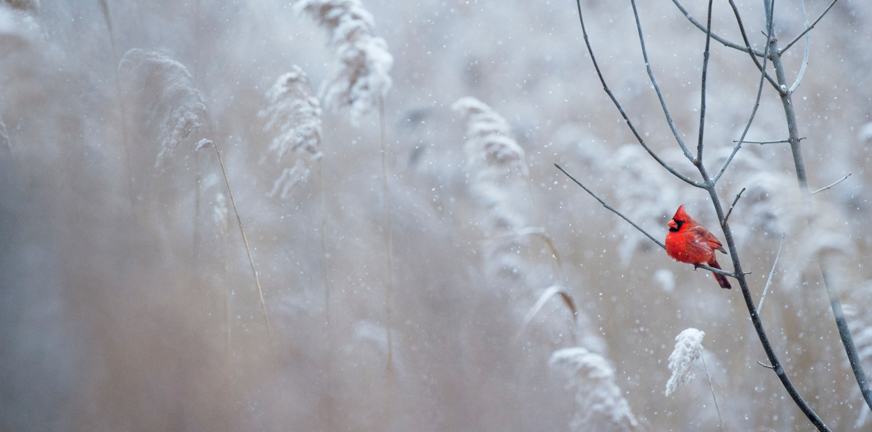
(723, 41)
(621, 109)
(747, 48)
(771, 273)
(611, 208)
(805, 54)
(759, 92)
(799, 165)
(786, 47)
(705, 61)
(543, 298)
(769, 142)
(730, 211)
(657, 87)
(837, 182)
(702, 266)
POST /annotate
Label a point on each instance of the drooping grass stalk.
(241, 229)
(325, 273)
(356, 83)
(176, 106)
(712, 387)
(219, 215)
(389, 288)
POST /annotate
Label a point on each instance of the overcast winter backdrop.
(127, 298)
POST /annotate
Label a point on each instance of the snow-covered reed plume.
(600, 404)
(18, 24)
(295, 114)
(174, 104)
(688, 349)
(360, 75)
(498, 175)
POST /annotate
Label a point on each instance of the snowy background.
(126, 297)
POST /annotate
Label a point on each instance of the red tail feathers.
(722, 280)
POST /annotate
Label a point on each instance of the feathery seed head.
(360, 75)
(295, 113)
(600, 404)
(168, 91)
(688, 349)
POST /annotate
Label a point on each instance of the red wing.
(701, 233)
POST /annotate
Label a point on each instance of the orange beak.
(672, 224)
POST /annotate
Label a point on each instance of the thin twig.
(808, 29)
(712, 386)
(723, 41)
(805, 54)
(705, 62)
(730, 211)
(768, 142)
(759, 92)
(657, 87)
(837, 182)
(747, 48)
(765, 365)
(771, 274)
(621, 109)
(659, 243)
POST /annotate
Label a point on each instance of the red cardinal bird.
(689, 242)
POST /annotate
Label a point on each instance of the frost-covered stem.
(799, 164)
(389, 288)
(832, 184)
(244, 239)
(771, 273)
(712, 386)
(621, 109)
(805, 53)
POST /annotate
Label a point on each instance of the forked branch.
(612, 209)
(621, 109)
